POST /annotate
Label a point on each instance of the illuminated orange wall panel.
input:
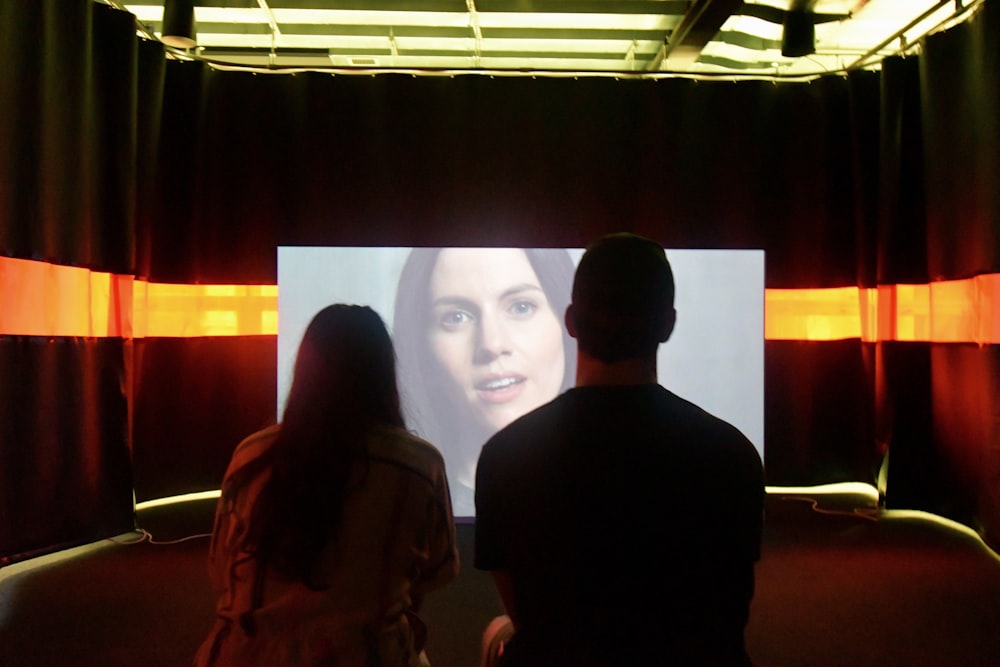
(42, 299)
(205, 310)
(807, 314)
(952, 311)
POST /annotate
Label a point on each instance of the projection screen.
(452, 311)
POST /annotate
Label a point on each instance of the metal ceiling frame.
(696, 38)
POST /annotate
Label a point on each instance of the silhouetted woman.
(333, 524)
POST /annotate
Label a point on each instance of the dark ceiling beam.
(700, 24)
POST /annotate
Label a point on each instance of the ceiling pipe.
(961, 8)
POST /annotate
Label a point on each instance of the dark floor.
(832, 590)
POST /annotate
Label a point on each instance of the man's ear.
(668, 325)
(570, 319)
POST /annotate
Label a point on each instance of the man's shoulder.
(552, 415)
(611, 402)
(685, 411)
(710, 433)
(651, 408)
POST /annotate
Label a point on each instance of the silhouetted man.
(620, 522)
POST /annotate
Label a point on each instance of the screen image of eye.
(454, 319)
(522, 308)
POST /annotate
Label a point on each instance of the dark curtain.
(68, 153)
(194, 399)
(252, 162)
(960, 103)
(255, 161)
(945, 401)
(177, 172)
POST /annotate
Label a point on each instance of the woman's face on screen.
(494, 332)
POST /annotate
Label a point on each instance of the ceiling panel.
(639, 37)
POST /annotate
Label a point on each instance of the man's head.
(623, 299)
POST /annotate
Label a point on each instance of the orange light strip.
(42, 299)
(951, 311)
(813, 314)
(185, 311)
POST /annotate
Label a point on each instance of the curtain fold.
(960, 106)
(954, 468)
(901, 246)
(68, 76)
(260, 161)
(819, 407)
(194, 399)
(65, 468)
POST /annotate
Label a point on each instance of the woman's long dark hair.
(423, 380)
(343, 386)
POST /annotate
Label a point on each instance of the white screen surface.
(715, 357)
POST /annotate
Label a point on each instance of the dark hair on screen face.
(623, 293)
(424, 383)
(343, 387)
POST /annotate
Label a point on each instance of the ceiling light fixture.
(178, 24)
(798, 36)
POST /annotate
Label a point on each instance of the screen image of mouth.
(480, 340)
